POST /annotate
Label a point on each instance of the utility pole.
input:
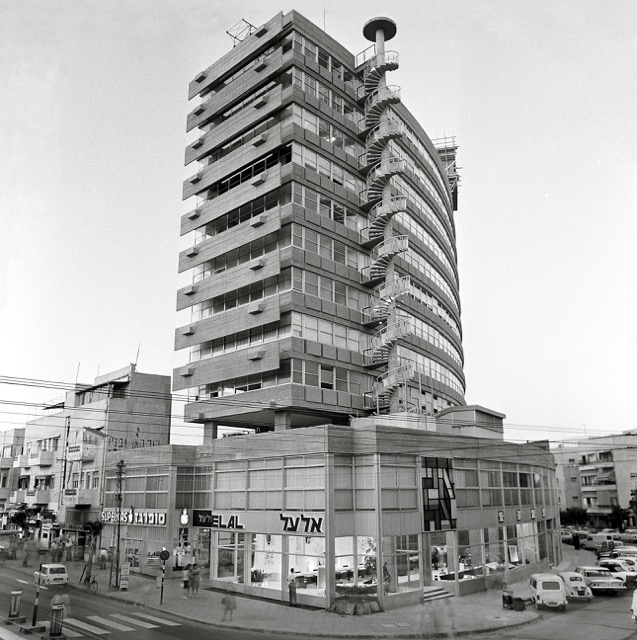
(121, 471)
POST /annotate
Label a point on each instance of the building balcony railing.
(18, 497)
(38, 496)
(6, 463)
(41, 458)
(21, 461)
(5, 493)
(81, 496)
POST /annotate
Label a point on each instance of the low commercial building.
(385, 506)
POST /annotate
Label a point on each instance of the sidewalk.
(452, 616)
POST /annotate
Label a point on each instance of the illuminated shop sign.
(135, 517)
(298, 523)
(306, 524)
(215, 520)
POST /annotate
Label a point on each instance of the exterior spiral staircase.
(380, 163)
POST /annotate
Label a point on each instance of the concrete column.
(282, 420)
(210, 431)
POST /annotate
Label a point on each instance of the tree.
(19, 519)
(574, 516)
(94, 528)
(618, 517)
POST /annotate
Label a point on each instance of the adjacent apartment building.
(598, 474)
(59, 466)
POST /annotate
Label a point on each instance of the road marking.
(143, 625)
(109, 623)
(22, 581)
(85, 626)
(67, 632)
(170, 623)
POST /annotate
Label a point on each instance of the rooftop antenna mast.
(240, 31)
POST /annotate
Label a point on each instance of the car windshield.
(576, 579)
(599, 573)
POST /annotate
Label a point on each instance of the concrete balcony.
(82, 497)
(6, 463)
(5, 493)
(38, 496)
(21, 461)
(41, 458)
(85, 452)
(18, 497)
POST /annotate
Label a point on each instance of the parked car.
(595, 542)
(601, 580)
(575, 586)
(619, 569)
(547, 590)
(619, 551)
(49, 574)
(567, 536)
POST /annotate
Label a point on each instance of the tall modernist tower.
(323, 254)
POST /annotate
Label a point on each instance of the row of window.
(242, 296)
(423, 266)
(326, 206)
(317, 89)
(418, 231)
(246, 102)
(428, 367)
(322, 128)
(242, 214)
(241, 340)
(421, 205)
(425, 331)
(325, 376)
(411, 135)
(396, 151)
(314, 52)
(329, 333)
(326, 247)
(242, 139)
(281, 156)
(245, 253)
(329, 289)
(429, 300)
(224, 82)
(309, 159)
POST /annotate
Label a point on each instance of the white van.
(547, 590)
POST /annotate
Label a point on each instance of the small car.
(575, 586)
(49, 574)
(547, 590)
(618, 568)
(601, 580)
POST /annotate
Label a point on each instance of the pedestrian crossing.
(99, 626)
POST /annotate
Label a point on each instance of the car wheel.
(537, 605)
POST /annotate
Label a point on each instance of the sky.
(541, 96)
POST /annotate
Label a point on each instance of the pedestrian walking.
(292, 588)
(185, 576)
(69, 550)
(229, 602)
(195, 579)
(103, 558)
(54, 551)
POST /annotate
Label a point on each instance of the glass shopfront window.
(306, 555)
(266, 564)
(401, 564)
(228, 553)
(355, 565)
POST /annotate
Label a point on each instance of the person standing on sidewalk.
(195, 579)
(186, 582)
(292, 588)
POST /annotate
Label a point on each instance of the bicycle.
(91, 584)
